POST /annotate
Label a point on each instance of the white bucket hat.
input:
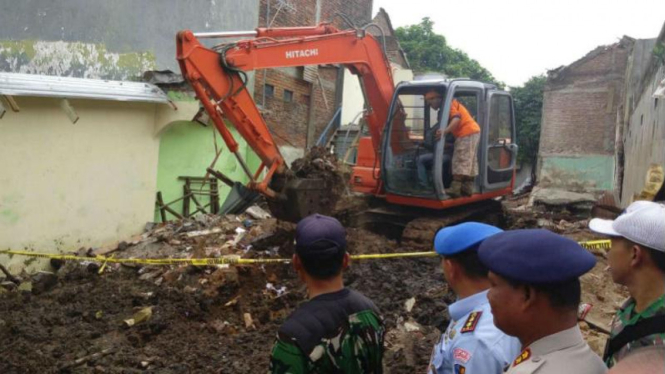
(643, 222)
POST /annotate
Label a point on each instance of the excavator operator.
(467, 135)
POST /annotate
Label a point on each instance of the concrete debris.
(557, 197)
(409, 304)
(193, 234)
(140, 316)
(257, 213)
(249, 323)
(277, 291)
(9, 286)
(412, 326)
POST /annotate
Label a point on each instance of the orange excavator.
(398, 119)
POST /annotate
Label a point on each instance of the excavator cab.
(416, 166)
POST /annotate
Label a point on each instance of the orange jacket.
(467, 125)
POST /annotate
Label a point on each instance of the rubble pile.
(87, 317)
(181, 319)
(566, 216)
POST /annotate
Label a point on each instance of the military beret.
(535, 256)
(454, 239)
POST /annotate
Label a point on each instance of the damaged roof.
(16, 84)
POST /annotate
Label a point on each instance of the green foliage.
(428, 51)
(659, 53)
(528, 101)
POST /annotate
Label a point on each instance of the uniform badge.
(461, 355)
(522, 357)
(452, 333)
(471, 322)
(459, 369)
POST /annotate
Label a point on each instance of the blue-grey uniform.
(471, 344)
(541, 257)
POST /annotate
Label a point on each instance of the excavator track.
(414, 228)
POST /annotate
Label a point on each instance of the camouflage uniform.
(355, 345)
(626, 317)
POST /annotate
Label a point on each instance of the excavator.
(398, 120)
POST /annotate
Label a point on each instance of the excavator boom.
(218, 78)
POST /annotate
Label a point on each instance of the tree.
(429, 52)
(528, 102)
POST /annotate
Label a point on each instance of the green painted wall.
(187, 149)
(588, 172)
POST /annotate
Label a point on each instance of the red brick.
(288, 120)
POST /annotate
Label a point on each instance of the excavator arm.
(218, 78)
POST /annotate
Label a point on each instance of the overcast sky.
(517, 39)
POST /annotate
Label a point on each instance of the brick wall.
(289, 120)
(580, 104)
(579, 118)
(393, 49)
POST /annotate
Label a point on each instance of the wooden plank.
(160, 205)
(214, 196)
(164, 207)
(198, 205)
(186, 194)
(221, 177)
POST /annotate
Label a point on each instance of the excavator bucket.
(239, 199)
(302, 197)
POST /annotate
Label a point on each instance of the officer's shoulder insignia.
(522, 357)
(471, 322)
(459, 369)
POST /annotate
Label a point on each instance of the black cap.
(319, 234)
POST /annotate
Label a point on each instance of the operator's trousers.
(465, 155)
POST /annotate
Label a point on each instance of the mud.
(313, 184)
(199, 322)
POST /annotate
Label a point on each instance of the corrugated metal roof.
(15, 84)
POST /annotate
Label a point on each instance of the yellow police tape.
(237, 260)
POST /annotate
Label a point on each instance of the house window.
(288, 96)
(269, 90)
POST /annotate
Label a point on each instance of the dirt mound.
(224, 319)
(319, 163)
(199, 320)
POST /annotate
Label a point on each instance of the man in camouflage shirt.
(338, 330)
(627, 316)
(637, 261)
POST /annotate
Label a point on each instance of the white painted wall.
(353, 100)
(65, 186)
(644, 139)
(402, 75)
